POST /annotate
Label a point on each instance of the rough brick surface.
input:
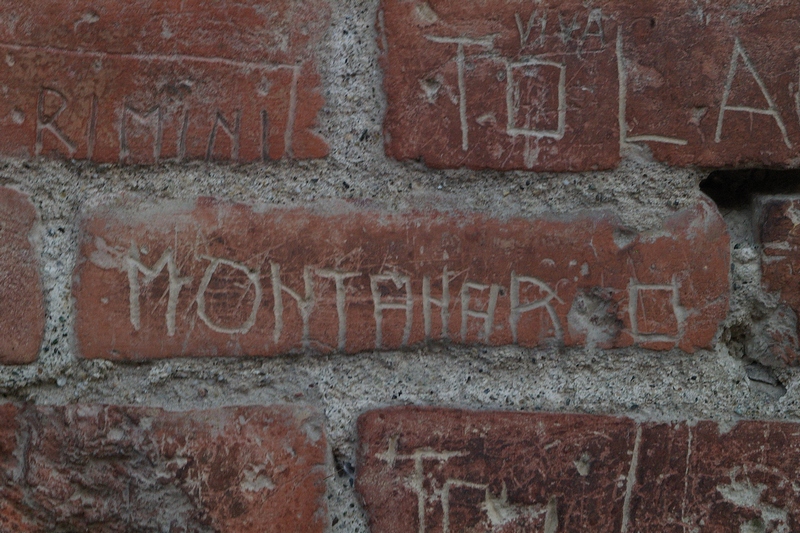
(99, 468)
(435, 470)
(569, 85)
(22, 312)
(424, 470)
(704, 477)
(146, 81)
(223, 279)
(780, 261)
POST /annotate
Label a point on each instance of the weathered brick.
(706, 478)
(152, 80)
(780, 260)
(22, 312)
(426, 470)
(570, 84)
(110, 468)
(218, 279)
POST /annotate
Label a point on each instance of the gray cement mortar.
(719, 384)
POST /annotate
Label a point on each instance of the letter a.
(772, 110)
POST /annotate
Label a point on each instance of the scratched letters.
(101, 84)
(441, 471)
(224, 279)
(574, 85)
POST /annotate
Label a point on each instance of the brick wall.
(395, 266)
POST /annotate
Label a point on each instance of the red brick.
(574, 281)
(426, 470)
(210, 80)
(780, 260)
(708, 85)
(22, 312)
(111, 468)
(505, 472)
(702, 476)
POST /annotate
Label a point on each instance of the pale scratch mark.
(622, 73)
(512, 103)
(176, 58)
(631, 481)
(289, 132)
(686, 479)
(486, 42)
(390, 456)
(771, 110)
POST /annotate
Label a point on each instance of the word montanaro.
(223, 279)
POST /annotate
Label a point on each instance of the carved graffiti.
(392, 309)
(141, 132)
(448, 470)
(121, 96)
(289, 281)
(559, 86)
(497, 508)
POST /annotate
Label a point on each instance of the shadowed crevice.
(735, 189)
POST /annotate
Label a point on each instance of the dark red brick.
(113, 469)
(22, 312)
(422, 469)
(581, 280)
(427, 470)
(780, 260)
(153, 80)
(702, 477)
(570, 85)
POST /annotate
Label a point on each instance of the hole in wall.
(344, 467)
(764, 381)
(755, 321)
(735, 189)
(734, 192)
